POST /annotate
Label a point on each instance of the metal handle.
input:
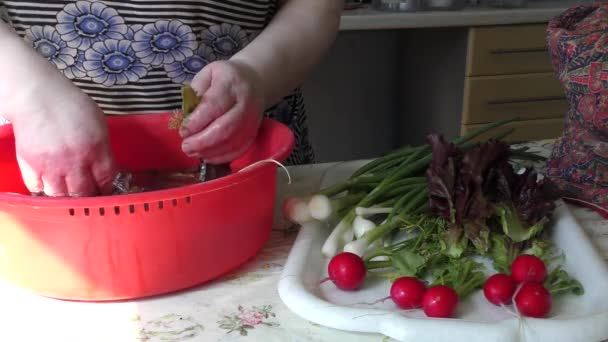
(516, 50)
(533, 99)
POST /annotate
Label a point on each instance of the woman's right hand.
(62, 141)
(60, 133)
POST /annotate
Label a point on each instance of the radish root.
(264, 161)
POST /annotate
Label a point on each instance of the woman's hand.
(62, 144)
(60, 133)
(227, 120)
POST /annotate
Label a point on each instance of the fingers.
(202, 81)
(223, 140)
(229, 156)
(81, 183)
(54, 185)
(103, 173)
(215, 101)
(31, 178)
(216, 134)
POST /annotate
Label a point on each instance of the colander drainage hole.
(117, 210)
(131, 208)
(86, 211)
(102, 211)
(146, 207)
(174, 201)
(71, 211)
(188, 199)
(160, 204)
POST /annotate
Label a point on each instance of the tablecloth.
(241, 306)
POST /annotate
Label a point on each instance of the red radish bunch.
(347, 271)
(407, 292)
(499, 289)
(532, 299)
(440, 301)
(528, 269)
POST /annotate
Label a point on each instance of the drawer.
(527, 96)
(510, 49)
(527, 130)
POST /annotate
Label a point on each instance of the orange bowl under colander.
(143, 244)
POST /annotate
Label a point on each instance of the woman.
(80, 59)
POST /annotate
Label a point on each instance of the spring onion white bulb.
(361, 226)
(337, 238)
(320, 207)
(296, 210)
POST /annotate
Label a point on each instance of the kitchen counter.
(370, 19)
(241, 306)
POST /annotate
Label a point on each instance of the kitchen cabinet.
(507, 75)
(393, 78)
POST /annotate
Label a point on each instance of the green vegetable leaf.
(516, 229)
(463, 275)
(189, 102)
(559, 282)
(479, 234)
(524, 207)
(540, 248)
(407, 263)
(453, 242)
(503, 252)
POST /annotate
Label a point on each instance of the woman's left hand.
(227, 120)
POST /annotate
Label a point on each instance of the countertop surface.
(243, 305)
(367, 18)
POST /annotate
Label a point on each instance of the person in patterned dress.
(67, 63)
(578, 44)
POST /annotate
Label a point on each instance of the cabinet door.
(528, 130)
(526, 96)
(508, 49)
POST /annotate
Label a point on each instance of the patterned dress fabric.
(134, 56)
(578, 43)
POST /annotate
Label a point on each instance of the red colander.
(143, 244)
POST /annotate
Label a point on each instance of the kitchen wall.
(380, 89)
(352, 97)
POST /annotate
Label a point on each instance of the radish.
(347, 271)
(499, 289)
(440, 301)
(296, 210)
(407, 292)
(528, 268)
(533, 300)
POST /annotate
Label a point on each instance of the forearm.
(21, 68)
(296, 40)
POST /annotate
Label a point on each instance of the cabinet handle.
(516, 50)
(532, 99)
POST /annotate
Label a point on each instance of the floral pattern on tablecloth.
(170, 327)
(247, 319)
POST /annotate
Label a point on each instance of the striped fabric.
(134, 56)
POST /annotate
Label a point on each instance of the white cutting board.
(572, 319)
